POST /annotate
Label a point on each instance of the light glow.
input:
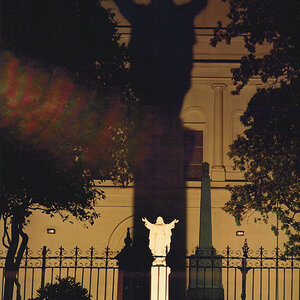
(49, 111)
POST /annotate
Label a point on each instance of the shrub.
(64, 289)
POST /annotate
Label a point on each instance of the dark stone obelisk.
(205, 265)
(205, 236)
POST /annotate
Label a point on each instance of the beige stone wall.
(116, 215)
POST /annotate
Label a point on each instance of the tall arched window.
(193, 154)
(194, 124)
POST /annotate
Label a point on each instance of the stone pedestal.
(205, 276)
(160, 282)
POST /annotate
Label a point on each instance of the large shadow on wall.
(161, 51)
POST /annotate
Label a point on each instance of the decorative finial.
(128, 239)
(245, 248)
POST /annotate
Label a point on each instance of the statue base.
(160, 282)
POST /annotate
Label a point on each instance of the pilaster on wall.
(218, 169)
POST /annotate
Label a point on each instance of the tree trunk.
(13, 260)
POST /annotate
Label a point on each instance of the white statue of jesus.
(160, 236)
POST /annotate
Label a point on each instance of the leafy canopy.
(79, 37)
(268, 152)
(263, 22)
(34, 179)
(64, 114)
(69, 84)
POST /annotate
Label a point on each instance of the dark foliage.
(268, 152)
(78, 36)
(65, 102)
(263, 22)
(34, 179)
(63, 289)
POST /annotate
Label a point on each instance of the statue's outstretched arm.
(127, 8)
(172, 224)
(147, 223)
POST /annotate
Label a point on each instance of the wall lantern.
(240, 233)
(51, 231)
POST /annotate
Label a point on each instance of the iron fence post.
(244, 278)
(25, 269)
(106, 267)
(244, 269)
(227, 270)
(91, 268)
(276, 274)
(76, 249)
(44, 254)
(61, 252)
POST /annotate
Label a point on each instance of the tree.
(78, 40)
(55, 139)
(63, 120)
(79, 37)
(35, 180)
(268, 152)
(266, 22)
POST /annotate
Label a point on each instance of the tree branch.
(9, 261)
(5, 235)
(22, 246)
(36, 208)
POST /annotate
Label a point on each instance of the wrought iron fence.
(228, 275)
(234, 275)
(96, 271)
